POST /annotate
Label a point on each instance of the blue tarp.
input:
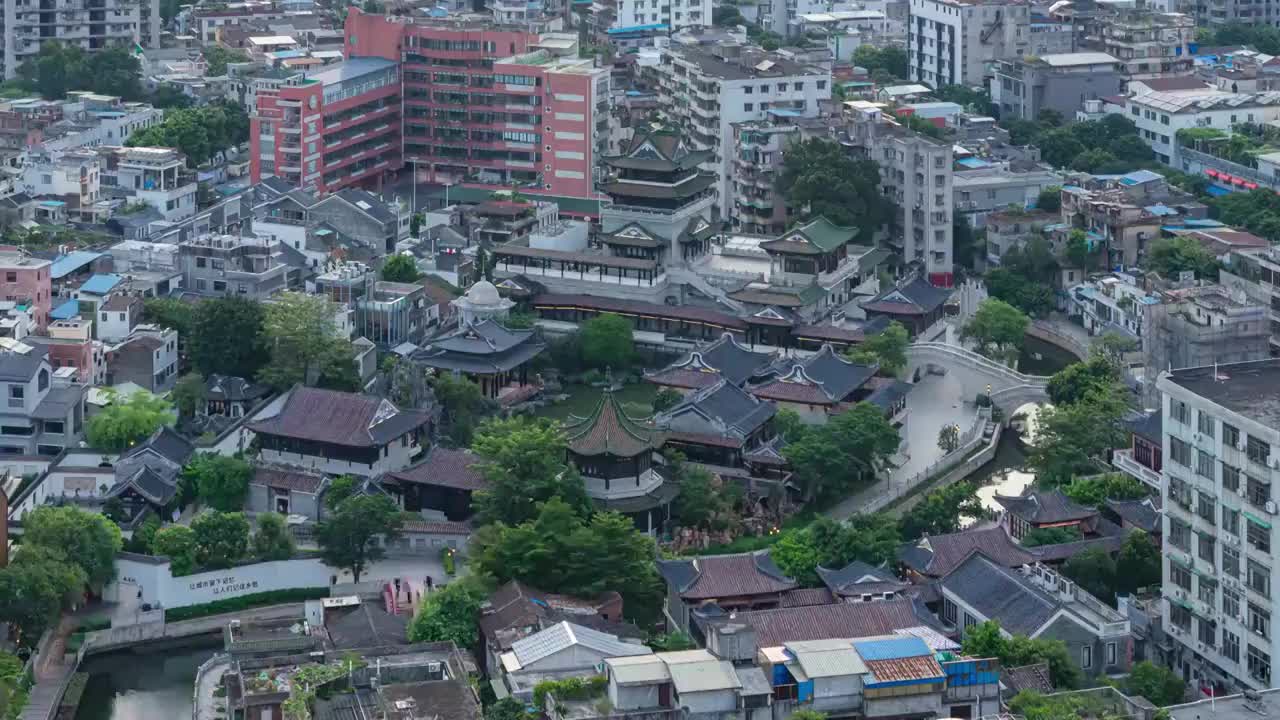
(973, 163)
(71, 262)
(100, 284)
(893, 649)
(1217, 190)
(66, 310)
(636, 28)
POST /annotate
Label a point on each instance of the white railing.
(917, 350)
(583, 276)
(1123, 460)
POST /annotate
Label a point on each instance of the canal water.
(145, 685)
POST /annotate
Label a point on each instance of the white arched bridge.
(1010, 389)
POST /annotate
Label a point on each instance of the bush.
(446, 558)
(244, 602)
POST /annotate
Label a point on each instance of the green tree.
(222, 538)
(58, 69)
(1074, 439)
(144, 537)
(216, 58)
(977, 100)
(1051, 536)
(984, 640)
(855, 445)
(450, 614)
(998, 328)
(168, 97)
(987, 640)
(1072, 383)
(939, 512)
(822, 180)
(126, 422)
(674, 641)
(1095, 490)
(1158, 684)
(949, 438)
(188, 394)
(1078, 251)
(272, 541)
(340, 488)
(170, 313)
(888, 349)
(607, 342)
(1094, 571)
(1029, 296)
(301, 334)
(523, 461)
(797, 555)
(13, 695)
(461, 403)
(699, 503)
(178, 543)
(1171, 256)
(891, 60)
(401, 269)
(665, 399)
(199, 132)
(29, 602)
(1050, 199)
(67, 578)
(965, 241)
(559, 551)
(415, 223)
(873, 539)
(349, 537)
(226, 337)
(508, 708)
(1138, 564)
(86, 538)
(1112, 347)
(221, 481)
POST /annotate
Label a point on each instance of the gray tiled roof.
(998, 592)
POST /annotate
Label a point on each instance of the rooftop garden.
(1242, 146)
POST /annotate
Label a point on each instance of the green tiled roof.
(826, 235)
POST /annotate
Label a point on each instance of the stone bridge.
(1010, 389)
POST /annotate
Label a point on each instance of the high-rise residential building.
(675, 14)
(91, 25)
(461, 99)
(951, 42)
(758, 148)
(709, 90)
(915, 174)
(1221, 450)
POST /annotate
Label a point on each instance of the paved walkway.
(51, 674)
(207, 681)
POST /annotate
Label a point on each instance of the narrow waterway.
(1043, 358)
(144, 685)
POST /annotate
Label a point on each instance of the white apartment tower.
(706, 91)
(675, 14)
(91, 25)
(951, 42)
(1221, 427)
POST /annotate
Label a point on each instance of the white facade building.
(1160, 115)
(1221, 459)
(675, 14)
(951, 42)
(708, 90)
(90, 25)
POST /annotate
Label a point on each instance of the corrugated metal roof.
(904, 670)
(704, 676)
(564, 635)
(832, 662)
(638, 670)
(891, 649)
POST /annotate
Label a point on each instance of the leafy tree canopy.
(524, 461)
(1095, 490)
(221, 481)
(830, 459)
(450, 613)
(349, 537)
(222, 538)
(607, 342)
(300, 331)
(1072, 383)
(272, 541)
(821, 179)
(1051, 536)
(1158, 684)
(178, 543)
(1071, 439)
(873, 539)
(985, 640)
(1171, 256)
(199, 132)
(126, 422)
(188, 394)
(58, 69)
(85, 538)
(400, 268)
(559, 551)
(462, 404)
(998, 328)
(1138, 564)
(226, 337)
(888, 349)
(939, 511)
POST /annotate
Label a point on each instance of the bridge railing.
(983, 362)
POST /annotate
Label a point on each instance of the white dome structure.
(482, 302)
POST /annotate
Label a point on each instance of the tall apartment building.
(709, 90)
(758, 148)
(951, 42)
(490, 104)
(1147, 44)
(916, 174)
(330, 129)
(1216, 13)
(675, 14)
(91, 25)
(1221, 460)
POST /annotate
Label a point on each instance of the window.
(1231, 520)
(822, 84)
(1230, 477)
(1206, 547)
(1178, 411)
(11, 277)
(747, 107)
(1205, 507)
(1086, 657)
(1180, 617)
(1230, 435)
(1208, 632)
(1258, 450)
(1230, 603)
(748, 90)
(1204, 464)
(1179, 534)
(1230, 646)
(1207, 591)
(201, 283)
(42, 380)
(1204, 423)
(969, 621)
(1259, 579)
(17, 392)
(201, 262)
(1111, 653)
(1180, 576)
(1259, 536)
(1259, 663)
(799, 86)
(1259, 492)
(1259, 621)
(949, 610)
(1180, 451)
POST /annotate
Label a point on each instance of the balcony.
(1123, 460)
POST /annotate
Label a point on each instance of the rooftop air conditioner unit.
(1270, 507)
